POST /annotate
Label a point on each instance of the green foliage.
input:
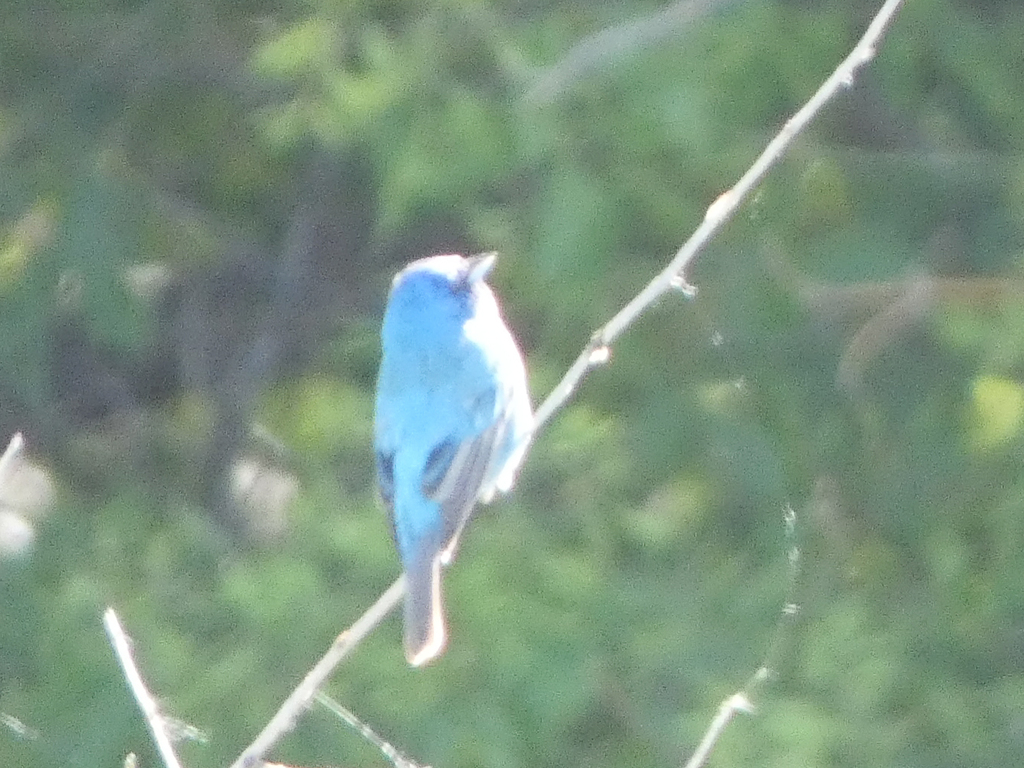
(853, 353)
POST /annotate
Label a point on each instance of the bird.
(452, 423)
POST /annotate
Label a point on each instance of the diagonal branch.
(611, 45)
(597, 351)
(299, 699)
(721, 211)
(150, 709)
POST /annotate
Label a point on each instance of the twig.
(150, 709)
(612, 44)
(596, 353)
(17, 727)
(393, 756)
(742, 700)
(915, 301)
(730, 708)
(301, 697)
(721, 211)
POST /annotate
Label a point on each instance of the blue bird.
(451, 425)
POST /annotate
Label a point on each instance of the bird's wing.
(386, 485)
(454, 476)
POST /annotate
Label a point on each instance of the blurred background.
(201, 207)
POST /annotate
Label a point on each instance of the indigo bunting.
(451, 425)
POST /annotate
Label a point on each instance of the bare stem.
(150, 709)
(672, 277)
(726, 712)
(299, 699)
(721, 211)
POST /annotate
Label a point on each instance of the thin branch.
(17, 727)
(914, 303)
(613, 44)
(302, 696)
(721, 211)
(392, 755)
(596, 353)
(742, 702)
(150, 709)
(731, 707)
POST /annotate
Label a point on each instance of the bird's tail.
(424, 614)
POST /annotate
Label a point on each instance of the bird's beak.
(481, 265)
